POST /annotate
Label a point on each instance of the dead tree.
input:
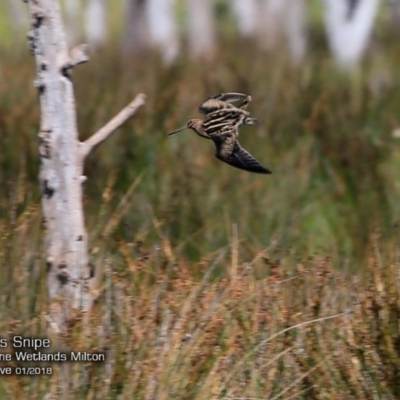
(349, 25)
(62, 158)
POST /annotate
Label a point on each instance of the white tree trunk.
(96, 22)
(246, 15)
(61, 168)
(163, 29)
(349, 26)
(200, 25)
(62, 157)
(61, 177)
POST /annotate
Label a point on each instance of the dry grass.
(256, 332)
(205, 287)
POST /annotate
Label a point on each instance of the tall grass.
(213, 282)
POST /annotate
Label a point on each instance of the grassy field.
(213, 282)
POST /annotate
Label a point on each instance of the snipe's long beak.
(178, 130)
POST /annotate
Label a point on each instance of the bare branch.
(103, 133)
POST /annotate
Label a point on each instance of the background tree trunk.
(135, 38)
(349, 26)
(295, 28)
(200, 25)
(96, 22)
(246, 15)
(270, 16)
(163, 29)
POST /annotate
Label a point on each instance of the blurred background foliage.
(329, 137)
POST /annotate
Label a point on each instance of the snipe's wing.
(222, 122)
(231, 96)
(231, 152)
(222, 101)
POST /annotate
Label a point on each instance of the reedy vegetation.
(216, 283)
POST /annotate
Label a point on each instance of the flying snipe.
(221, 124)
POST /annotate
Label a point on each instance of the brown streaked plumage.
(222, 101)
(221, 125)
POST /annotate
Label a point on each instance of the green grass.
(213, 282)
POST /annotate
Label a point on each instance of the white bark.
(62, 157)
(246, 14)
(200, 25)
(349, 26)
(61, 166)
(163, 29)
(96, 22)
